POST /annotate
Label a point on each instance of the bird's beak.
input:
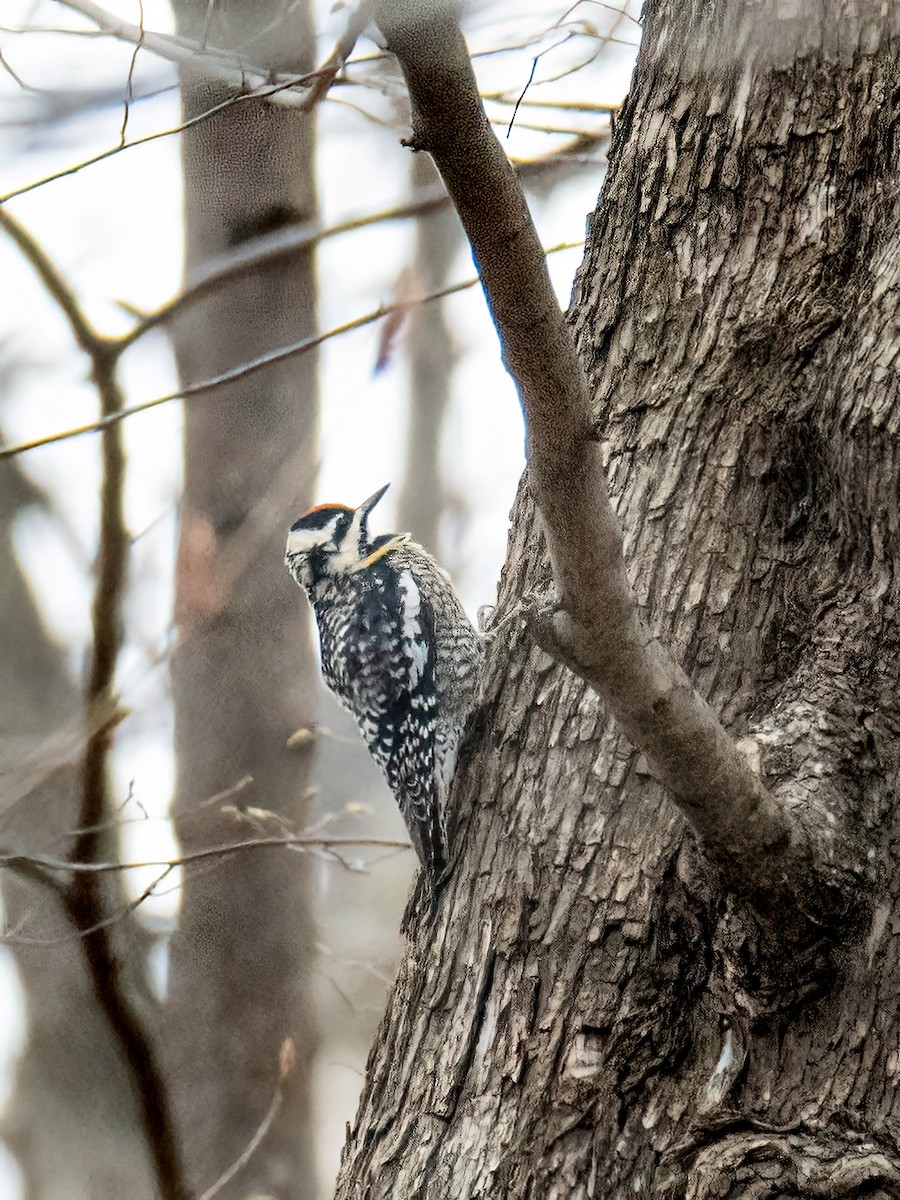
(367, 505)
(358, 533)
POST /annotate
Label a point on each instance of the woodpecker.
(399, 653)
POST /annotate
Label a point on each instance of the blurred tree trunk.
(432, 356)
(71, 1121)
(595, 1015)
(244, 674)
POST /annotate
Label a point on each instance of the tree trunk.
(594, 1014)
(244, 675)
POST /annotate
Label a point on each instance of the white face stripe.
(348, 554)
(301, 541)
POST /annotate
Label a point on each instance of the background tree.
(244, 673)
(672, 973)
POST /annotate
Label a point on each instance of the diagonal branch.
(52, 279)
(85, 898)
(273, 246)
(596, 628)
(224, 65)
(116, 416)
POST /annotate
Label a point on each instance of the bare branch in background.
(595, 628)
(56, 285)
(256, 364)
(14, 75)
(357, 22)
(225, 66)
(228, 67)
(129, 86)
(251, 83)
(84, 898)
(112, 918)
(271, 247)
(47, 866)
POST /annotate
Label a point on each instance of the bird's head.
(332, 540)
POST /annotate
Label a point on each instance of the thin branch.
(85, 898)
(129, 86)
(227, 66)
(596, 628)
(15, 76)
(286, 1063)
(357, 23)
(272, 247)
(251, 83)
(580, 106)
(620, 12)
(280, 243)
(564, 131)
(109, 920)
(45, 866)
(54, 31)
(512, 119)
(85, 335)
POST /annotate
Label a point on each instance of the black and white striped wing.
(412, 766)
(383, 670)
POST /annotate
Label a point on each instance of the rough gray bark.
(71, 1122)
(244, 676)
(595, 1012)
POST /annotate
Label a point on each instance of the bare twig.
(129, 86)
(85, 899)
(272, 247)
(228, 66)
(577, 106)
(596, 628)
(14, 75)
(512, 119)
(286, 1062)
(107, 922)
(47, 866)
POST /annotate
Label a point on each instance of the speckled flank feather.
(400, 654)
